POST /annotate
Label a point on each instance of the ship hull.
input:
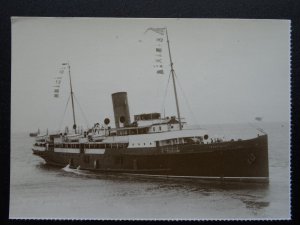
(245, 160)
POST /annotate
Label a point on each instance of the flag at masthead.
(164, 31)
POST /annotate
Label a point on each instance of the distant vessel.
(156, 146)
(258, 118)
(34, 134)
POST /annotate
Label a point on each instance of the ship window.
(139, 144)
(144, 143)
(153, 128)
(150, 143)
(171, 126)
(160, 128)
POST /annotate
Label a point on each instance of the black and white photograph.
(150, 119)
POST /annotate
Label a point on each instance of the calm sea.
(40, 191)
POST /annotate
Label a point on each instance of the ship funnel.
(121, 108)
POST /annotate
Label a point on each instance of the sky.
(227, 70)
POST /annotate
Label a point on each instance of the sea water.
(45, 192)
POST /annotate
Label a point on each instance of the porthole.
(205, 137)
(122, 119)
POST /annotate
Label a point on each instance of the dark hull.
(238, 160)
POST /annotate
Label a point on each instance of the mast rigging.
(72, 96)
(173, 79)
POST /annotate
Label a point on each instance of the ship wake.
(67, 168)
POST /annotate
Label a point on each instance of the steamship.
(153, 145)
(34, 134)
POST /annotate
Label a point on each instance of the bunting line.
(158, 48)
(57, 81)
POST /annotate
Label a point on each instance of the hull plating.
(237, 160)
